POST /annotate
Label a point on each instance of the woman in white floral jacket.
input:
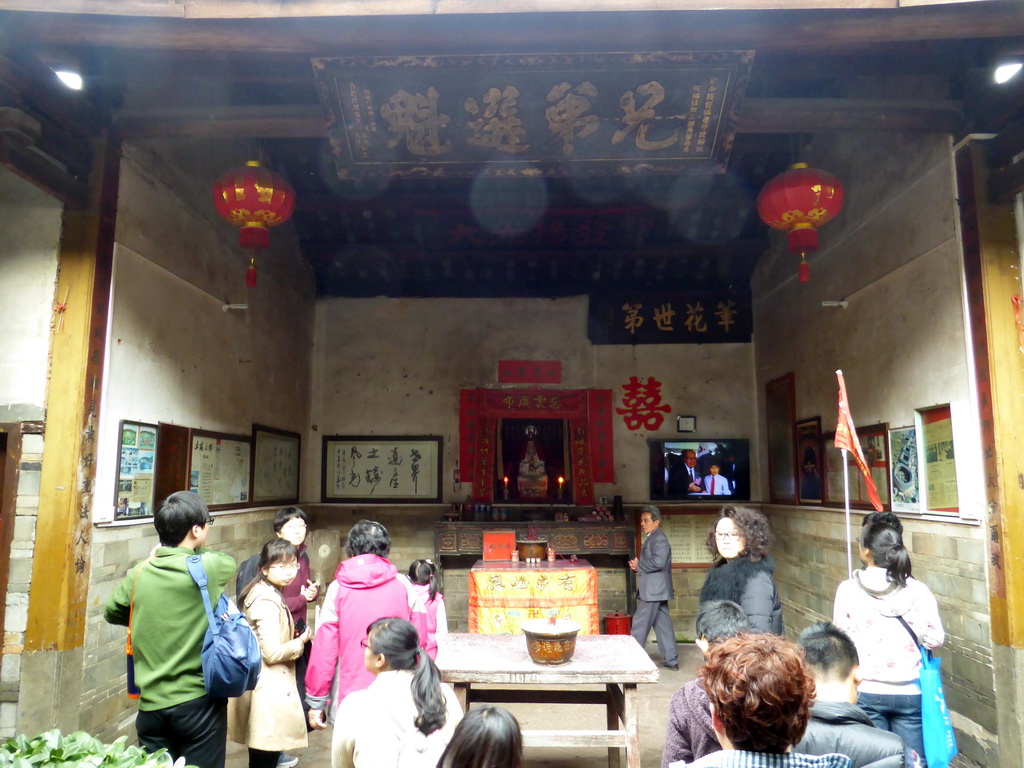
(888, 613)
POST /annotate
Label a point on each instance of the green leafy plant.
(79, 749)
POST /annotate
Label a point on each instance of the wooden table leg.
(462, 694)
(631, 723)
(614, 717)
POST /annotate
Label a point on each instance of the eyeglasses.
(296, 525)
(209, 521)
(285, 566)
(734, 535)
(365, 642)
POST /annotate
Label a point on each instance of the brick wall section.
(948, 557)
(20, 577)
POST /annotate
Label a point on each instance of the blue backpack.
(231, 652)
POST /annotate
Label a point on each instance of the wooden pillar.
(60, 573)
(992, 272)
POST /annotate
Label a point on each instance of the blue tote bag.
(939, 739)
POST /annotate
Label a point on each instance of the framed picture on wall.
(905, 475)
(381, 469)
(940, 490)
(218, 468)
(780, 407)
(276, 456)
(809, 469)
(136, 462)
(874, 444)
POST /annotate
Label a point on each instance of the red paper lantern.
(798, 202)
(255, 199)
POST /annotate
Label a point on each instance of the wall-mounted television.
(710, 470)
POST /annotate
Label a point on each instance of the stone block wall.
(950, 557)
(26, 512)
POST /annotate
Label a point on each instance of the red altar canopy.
(590, 440)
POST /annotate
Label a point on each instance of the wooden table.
(617, 662)
(503, 594)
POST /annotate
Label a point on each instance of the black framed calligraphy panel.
(675, 317)
(532, 114)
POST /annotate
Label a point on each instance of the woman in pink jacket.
(424, 578)
(366, 587)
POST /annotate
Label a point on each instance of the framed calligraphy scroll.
(532, 115)
(381, 469)
(276, 461)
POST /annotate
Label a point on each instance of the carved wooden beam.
(37, 169)
(378, 27)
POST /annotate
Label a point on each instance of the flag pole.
(846, 498)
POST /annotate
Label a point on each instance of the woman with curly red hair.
(760, 696)
(744, 572)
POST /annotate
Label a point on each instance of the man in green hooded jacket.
(168, 624)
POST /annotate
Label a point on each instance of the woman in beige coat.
(269, 719)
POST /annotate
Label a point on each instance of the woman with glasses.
(270, 719)
(744, 572)
(406, 717)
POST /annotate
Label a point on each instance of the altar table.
(503, 594)
(617, 662)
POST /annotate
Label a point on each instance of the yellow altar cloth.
(502, 595)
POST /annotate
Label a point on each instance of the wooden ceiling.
(913, 69)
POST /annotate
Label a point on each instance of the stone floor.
(654, 700)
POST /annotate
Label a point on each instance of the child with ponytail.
(888, 613)
(406, 717)
(425, 582)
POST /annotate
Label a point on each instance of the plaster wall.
(176, 355)
(395, 366)
(31, 222)
(894, 255)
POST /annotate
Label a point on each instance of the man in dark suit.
(654, 571)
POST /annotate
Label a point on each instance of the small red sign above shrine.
(529, 372)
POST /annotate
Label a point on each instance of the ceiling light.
(72, 80)
(1005, 71)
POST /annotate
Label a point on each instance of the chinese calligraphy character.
(395, 458)
(695, 318)
(726, 313)
(373, 454)
(415, 457)
(663, 317)
(643, 404)
(641, 119)
(498, 127)
(414, 118)
(496, 582)
(393, 482)
(354, 453)
(568, 113)
(633, 319)
(373, 477)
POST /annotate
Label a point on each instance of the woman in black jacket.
(744, 572)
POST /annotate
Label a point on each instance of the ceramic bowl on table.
(549, 643)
